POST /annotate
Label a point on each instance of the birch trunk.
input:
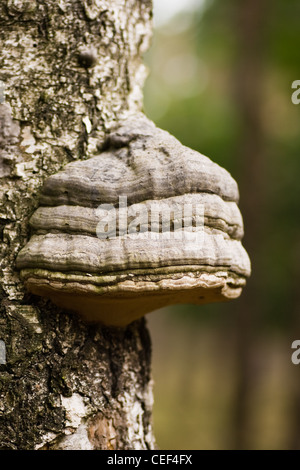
(70, 69)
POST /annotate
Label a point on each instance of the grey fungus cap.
(145, 224)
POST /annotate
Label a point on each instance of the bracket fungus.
(145, 224)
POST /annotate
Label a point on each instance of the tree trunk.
(71, 69)
(250, 20)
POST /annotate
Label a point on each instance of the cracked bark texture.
(71, 69)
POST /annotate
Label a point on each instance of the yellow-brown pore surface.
(120, 309)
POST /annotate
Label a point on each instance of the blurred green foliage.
(224, 377)
(190, 92)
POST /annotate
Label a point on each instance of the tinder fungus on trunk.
(146, 223)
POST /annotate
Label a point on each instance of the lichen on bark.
(71, 70)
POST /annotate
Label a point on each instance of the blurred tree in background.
(220, 81)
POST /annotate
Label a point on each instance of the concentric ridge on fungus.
(117, 279)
